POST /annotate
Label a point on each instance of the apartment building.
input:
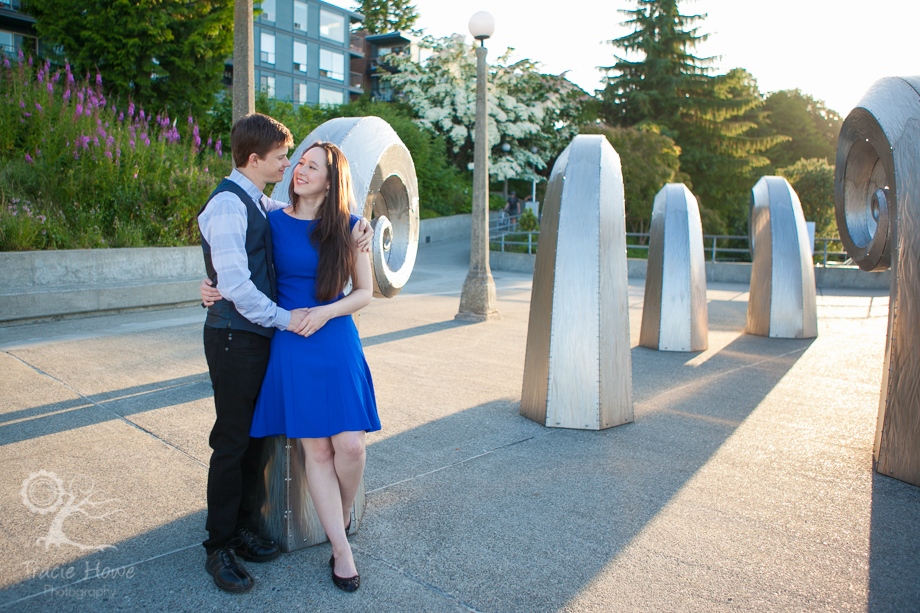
(303, 51)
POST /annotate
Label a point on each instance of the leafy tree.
(381, 16)
(649, 160)
(710, 117)
(812, 128)
(156, 52)
(535, 115)
(813, 181)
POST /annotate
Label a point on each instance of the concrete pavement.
(744, 484)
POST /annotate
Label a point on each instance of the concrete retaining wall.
(446, 228)
(40, 284)
(844, 277)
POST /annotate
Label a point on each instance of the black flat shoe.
(348, 585)
(253, 548)
(228, 573)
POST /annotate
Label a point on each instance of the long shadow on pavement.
(894, 546)
(458, 505)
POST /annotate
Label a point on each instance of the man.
(513, 209)
(236, 240)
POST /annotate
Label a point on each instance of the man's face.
(271, 168)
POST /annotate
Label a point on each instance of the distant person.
(513, 208)
(237, 243)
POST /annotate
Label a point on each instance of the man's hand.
(363, 234)
(315, 319)
(298, 320)
(209, 294)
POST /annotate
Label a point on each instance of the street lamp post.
(244, 87)
(477, 300)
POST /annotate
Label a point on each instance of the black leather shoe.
(228, 573)
(253, 548)
(350, 584)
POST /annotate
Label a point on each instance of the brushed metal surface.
(577, 368)
(877, 204)
(675, 312)
(286, 512)
(782, 302)
(385, 185)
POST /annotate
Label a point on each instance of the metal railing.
(504, 238)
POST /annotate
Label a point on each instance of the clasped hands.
(304, 321)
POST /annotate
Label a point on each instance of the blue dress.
(319, 385)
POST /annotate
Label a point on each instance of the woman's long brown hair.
(331, 234)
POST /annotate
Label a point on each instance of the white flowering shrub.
(534, 114)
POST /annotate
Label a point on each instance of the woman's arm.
(361, 293)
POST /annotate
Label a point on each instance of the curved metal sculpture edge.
(877, 204)
(782, 300)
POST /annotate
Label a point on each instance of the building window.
(300, 57)
(328, 97)
(331, 26)
(268, 10)
(300, 16)
(300, 93)
(268, 85)
(331, 64)
(268, 48)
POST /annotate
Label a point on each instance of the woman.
(318, 387)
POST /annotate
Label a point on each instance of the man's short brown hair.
(259, 134)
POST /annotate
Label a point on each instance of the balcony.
(355, 45)
(356, 82)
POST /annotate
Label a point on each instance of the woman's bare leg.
(327, 499)
(349, 461)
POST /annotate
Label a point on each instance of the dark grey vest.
(223, 314)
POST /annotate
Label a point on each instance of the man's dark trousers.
(237, 360)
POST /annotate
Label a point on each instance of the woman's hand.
(209, 294)
(315, 319)
(363, 234)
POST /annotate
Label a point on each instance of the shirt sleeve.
(273, 205)
(223, 225)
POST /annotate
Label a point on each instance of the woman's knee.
(318, 450)
(349, 444)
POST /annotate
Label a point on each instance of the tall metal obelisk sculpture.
(675, 316)
(877, 202)
(578, 367)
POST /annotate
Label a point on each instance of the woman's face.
(311, 175)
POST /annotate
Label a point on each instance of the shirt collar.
(248, 186)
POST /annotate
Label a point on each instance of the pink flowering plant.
(83, 171)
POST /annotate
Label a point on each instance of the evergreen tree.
(156, 52)
(653, 88)
(381, 16)
(710, 117)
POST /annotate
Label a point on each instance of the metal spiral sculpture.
(675, 316)
(877, 203)
(578, 367)
(386, 187)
